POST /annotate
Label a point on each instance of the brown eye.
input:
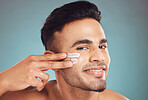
(102, 47)
(82, 48)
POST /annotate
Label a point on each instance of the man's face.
(87, 38)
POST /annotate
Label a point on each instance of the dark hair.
(67, 13)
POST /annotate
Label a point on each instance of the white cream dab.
(74, 60)
(73, 57)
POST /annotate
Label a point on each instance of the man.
(76, 49)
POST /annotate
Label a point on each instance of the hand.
(26, 72)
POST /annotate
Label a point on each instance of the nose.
(97, 55)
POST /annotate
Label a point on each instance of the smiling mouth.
(97, 72)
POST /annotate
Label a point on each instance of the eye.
(82, 48)
(102, 46)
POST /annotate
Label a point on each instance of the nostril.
(95, 60)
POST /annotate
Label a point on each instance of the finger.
(60, 65)
(46, 65)
(44, 83)
(36, 83)
(58, 56)
(43, 76)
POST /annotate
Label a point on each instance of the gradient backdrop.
(125, 23)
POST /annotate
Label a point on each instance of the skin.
(71, 82)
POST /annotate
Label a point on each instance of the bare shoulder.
(29, 93)
(112, 95)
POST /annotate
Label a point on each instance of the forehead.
(81, 29)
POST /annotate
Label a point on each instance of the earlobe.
(48, 52)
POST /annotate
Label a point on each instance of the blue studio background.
(125, 23)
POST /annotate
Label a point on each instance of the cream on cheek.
(78, 59)
(81, 61)
(73, 57)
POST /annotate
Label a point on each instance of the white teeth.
(95, 70)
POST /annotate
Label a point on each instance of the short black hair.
(65, 14)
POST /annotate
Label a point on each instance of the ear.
(48, 52)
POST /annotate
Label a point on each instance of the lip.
(95, 68)
(95, 71)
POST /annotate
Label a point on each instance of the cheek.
(106, 54)
(82, 60)
(107, 57)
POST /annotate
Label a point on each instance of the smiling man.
(76, 49)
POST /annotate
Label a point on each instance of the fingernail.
(63, 55)
(74, 60)
(68, 64)
(73, 55)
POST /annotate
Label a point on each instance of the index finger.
(58, 56)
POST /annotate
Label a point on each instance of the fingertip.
(63, 55)
(71, 55)
(68, 64)
(39, 88)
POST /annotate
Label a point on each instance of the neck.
(67, 92)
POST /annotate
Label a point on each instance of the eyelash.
(82, 48)
(102, 46)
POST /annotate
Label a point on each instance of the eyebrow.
(86, 41)
(103, 41)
